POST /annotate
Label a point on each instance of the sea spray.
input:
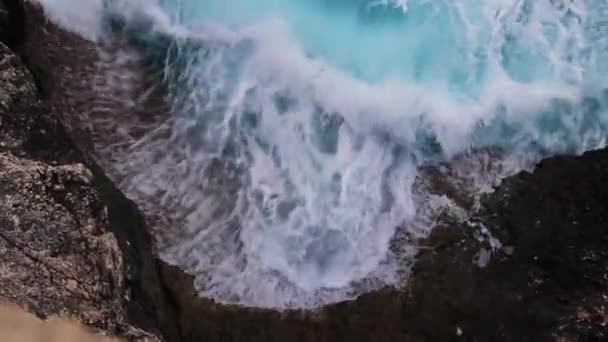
(298, 126)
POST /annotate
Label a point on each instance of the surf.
(299, 126)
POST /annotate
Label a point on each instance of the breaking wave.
(298, 126)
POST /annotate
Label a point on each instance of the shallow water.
(323, 110)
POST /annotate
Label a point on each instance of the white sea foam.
(322, 120)
(79, 16)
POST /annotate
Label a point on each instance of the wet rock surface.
(548, 281)
(58, 255)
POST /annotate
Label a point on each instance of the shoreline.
(550, 286)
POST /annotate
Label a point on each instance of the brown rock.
(58, 255)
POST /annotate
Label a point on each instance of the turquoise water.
(453, 43)
(371, 40)
(327, 108)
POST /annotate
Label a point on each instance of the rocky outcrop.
(58, 253)
(63, 65)
(548, 282)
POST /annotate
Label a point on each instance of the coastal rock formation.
(531, 264)
(58, 254)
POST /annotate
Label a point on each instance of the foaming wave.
(299, 127)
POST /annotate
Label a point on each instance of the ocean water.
(321, 112)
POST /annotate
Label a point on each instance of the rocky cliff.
(58, 253)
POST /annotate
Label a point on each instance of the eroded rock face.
(58, 254)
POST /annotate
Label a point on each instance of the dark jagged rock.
(58, 254)
(58, 250)
(547, 283)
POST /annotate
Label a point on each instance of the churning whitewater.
(298, 126)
